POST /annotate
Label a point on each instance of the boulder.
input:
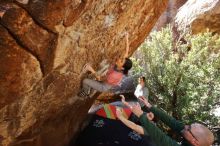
(43, 46)
(200, 17)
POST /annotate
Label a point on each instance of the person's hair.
(143, 78)
(204, 135)
(127, 66)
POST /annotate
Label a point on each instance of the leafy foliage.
(185, 76)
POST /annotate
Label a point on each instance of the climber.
(126, 86)
(113, 77)
(194, 134)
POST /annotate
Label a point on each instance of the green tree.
(185, 76)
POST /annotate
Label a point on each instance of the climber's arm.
(127, 45)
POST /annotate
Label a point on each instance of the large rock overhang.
(43, 47)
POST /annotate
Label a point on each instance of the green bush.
(184, 79)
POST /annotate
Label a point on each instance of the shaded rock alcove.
(43, 47)
(170, 13)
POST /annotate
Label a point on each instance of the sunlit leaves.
(192, 72)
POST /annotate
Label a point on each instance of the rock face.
(43, 47)
(200, 16)
(170, 13)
